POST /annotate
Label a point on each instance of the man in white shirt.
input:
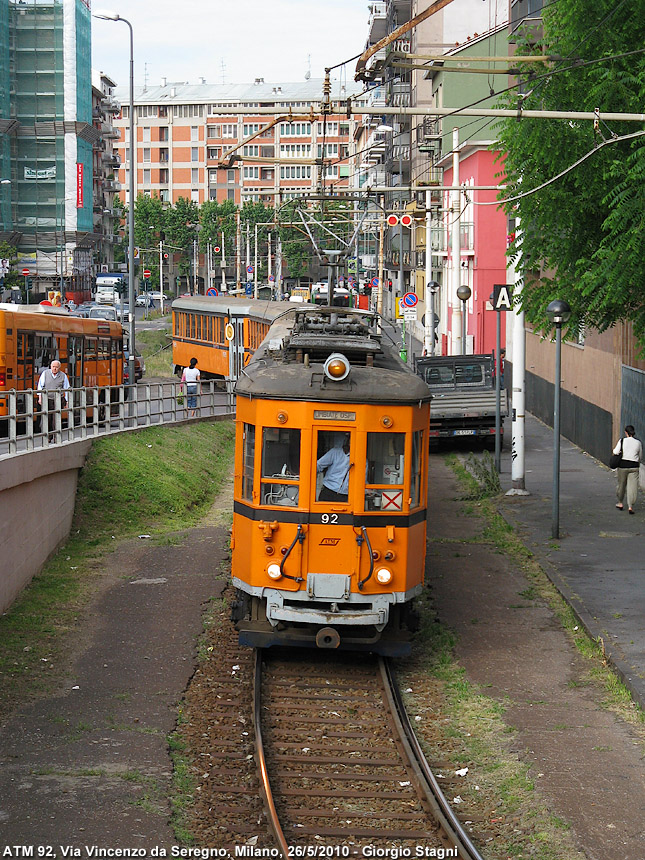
(52, 379)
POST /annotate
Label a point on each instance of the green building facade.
(46, 135)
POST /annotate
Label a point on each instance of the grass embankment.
(151, 481)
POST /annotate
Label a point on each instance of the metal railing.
(90, 412)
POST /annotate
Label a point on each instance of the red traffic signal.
(217, 249)
(406, 220)
(166, 255)
(392, 220)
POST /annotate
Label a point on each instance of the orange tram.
(331, 472)
(221, 332)
(32, 336)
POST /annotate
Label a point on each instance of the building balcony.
(377, 22)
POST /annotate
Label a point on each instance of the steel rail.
(426, 779)
(265, 785)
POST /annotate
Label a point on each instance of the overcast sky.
(236, 41)
(228, 41)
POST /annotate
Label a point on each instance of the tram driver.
(335, 464)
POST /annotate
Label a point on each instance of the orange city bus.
(32, 336)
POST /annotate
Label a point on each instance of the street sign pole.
(25, 273)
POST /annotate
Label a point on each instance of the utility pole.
(456, 247)
(161, 273)
(223, 264)
(238, 252)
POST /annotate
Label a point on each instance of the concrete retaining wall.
(37, 497)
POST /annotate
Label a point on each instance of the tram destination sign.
(327, 415)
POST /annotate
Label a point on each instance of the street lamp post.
(114, 16)
(463, 294)
(558, 313)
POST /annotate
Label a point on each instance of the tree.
(13, 278)
(181, 223)
(580, 235)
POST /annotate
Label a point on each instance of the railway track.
(311, 756)
(341, 772)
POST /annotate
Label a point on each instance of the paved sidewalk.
(599, 562)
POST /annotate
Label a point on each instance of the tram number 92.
(319, 850)
(329, 519)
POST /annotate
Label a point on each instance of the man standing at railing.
(52, 379)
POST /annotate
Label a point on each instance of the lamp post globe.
(558, 312)
(463, 294)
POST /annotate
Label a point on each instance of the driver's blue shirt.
(336, 462)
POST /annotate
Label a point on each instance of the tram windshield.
(280, 466)
(385, 471)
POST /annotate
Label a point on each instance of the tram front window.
(280, 466)
(332, 466)
(385, 466)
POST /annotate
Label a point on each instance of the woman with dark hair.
(631, 452)
(191, 377)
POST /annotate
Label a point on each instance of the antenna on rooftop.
(223, 71)
(145, 76)
(308, 72)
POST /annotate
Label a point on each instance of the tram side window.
(248, 461)
(280, 466)
(385, 466)
(415, 471)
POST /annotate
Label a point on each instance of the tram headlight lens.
(337, 367)
(384, 576)
(273, 571)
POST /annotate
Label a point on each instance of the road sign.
(212, 291)
(229, 331)
(374, 282)
(248, 289)
(502, 297)
(410, 300)
(409, 314)
(271, 279)
(249, 270)
(146, 274)
(25, 272)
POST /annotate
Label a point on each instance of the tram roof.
(233, 305)
(377, 375)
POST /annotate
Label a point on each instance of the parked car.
(139, 365)
(103, 312)
(84, 308)
(144, 299)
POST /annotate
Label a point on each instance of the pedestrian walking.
(50, 380)
(631, 452)
(191, 377)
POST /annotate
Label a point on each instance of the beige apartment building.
(183, 141)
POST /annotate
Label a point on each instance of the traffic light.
(166, 255)
(28, 284)
(122, 287)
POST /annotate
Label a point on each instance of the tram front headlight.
(384, 576)
(273, 571)
(337, 367)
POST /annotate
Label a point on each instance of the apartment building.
(106, 162)
(187, 147)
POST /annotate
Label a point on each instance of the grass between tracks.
(504, 806)
(150, 481)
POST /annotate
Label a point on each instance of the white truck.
(108, 287)
(464, 397)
